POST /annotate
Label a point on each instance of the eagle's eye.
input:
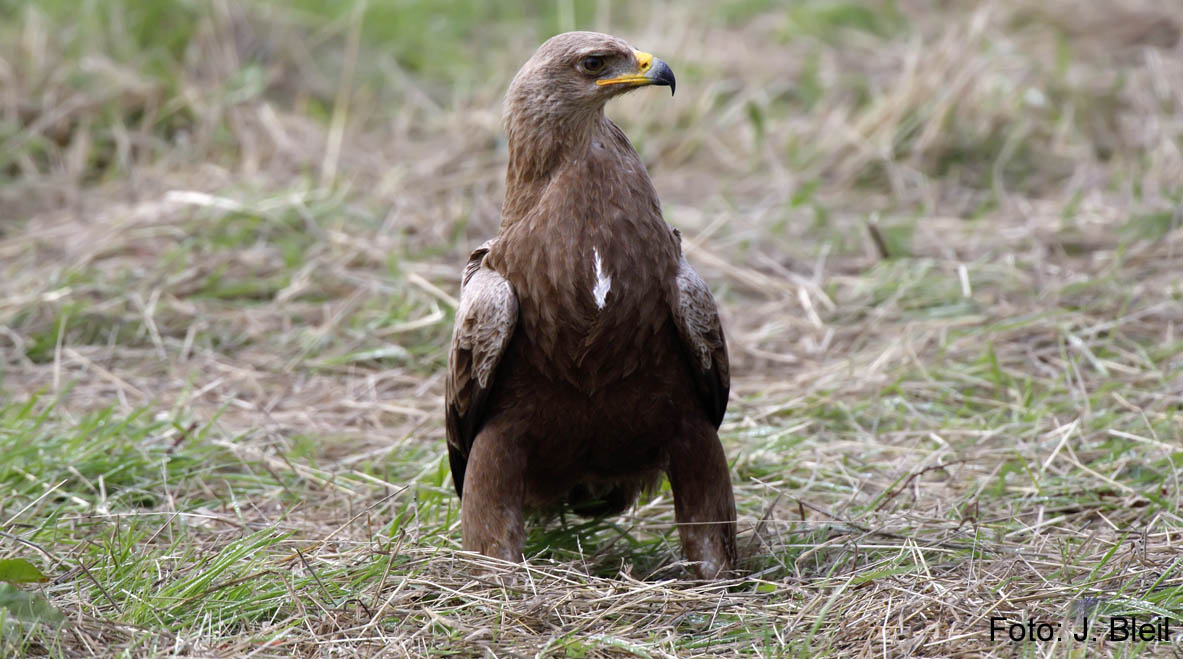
(592, 64)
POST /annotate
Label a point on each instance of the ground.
(946, 239)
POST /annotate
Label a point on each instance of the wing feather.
(485, 323)
(697, 319)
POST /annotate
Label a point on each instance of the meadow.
(946, 239)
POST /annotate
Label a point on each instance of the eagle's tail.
(611, 497)
(588, 500)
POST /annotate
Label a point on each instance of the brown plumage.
(587, 356)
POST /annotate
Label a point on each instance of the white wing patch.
(603, 281)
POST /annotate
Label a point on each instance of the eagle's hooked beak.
(650, 71)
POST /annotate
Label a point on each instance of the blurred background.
(945, 238)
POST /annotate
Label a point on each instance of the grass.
(946, 240)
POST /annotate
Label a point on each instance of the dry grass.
(947, 239)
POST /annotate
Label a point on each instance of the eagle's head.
(575, 73)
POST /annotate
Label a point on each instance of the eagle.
(587, 357)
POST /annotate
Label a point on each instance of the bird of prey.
(587, 356)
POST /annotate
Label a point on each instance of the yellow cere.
(644, 63)
(644, 60)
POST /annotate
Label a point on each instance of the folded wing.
(697, 319)
(485, 322)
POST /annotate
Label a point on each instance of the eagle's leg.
(491, 519)
(703, 501)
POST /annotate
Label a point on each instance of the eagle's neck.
(539, 145)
